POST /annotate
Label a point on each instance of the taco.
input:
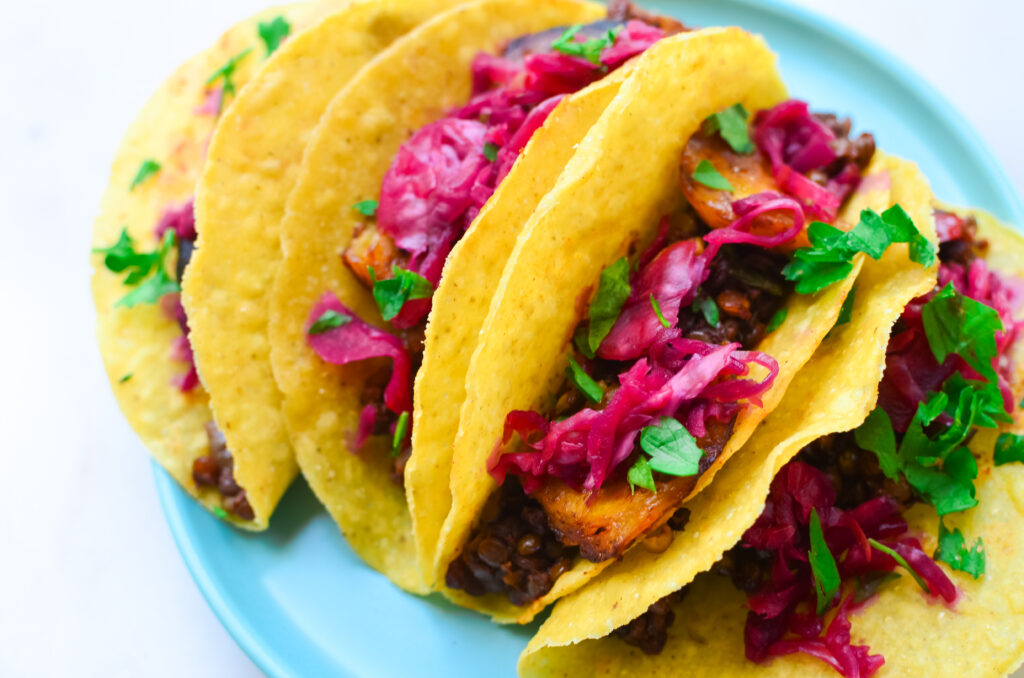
(430, 160)
(607, 390)
(146, 231)
(873, 525)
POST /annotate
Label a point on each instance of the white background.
(90, 581)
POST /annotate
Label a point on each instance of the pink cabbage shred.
(441, 179)
(180, 219)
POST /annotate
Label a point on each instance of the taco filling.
(667, 357)
(833, 532)
(438, 182)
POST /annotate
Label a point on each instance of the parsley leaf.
(148, 169)
(584, 382)
(220, 513)
(126, 377)
(226, 74)
(612, 292)
(1009, 448)
(876, 435)
(150, 291)
(830, 256)
(901, 562)
(491, 151)
(589, 50)
(657, 311)
(146, 268)
(846, 312)
(709, 309)
(823, 566)
(777, 320)
(673, 449)
(392, 293)
(398, 439)
(732, 125)
(640, 474)
(368, 208)
(707, 174)
(958, 324)
(953, 550)
(273, 33)
(328, 321)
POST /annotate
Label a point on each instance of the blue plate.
(300, 603)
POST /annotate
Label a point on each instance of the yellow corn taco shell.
(136, 342)
(252, 164)
(411, 84)
(611, 195)
(982, 635)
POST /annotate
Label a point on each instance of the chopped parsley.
(226, 74)
(126, 377)
(953, 550)
(777, 320)
(657, 311)
(709, 309)
(673, 450)
(958, 324)
(328, 320)
(1009, 448)
(823, 565)
(146, 270)
(401, 428)
(612, 292)
(707, 174)
(149, 168)
(901, 562)
(732, 125)
(392, 293)
(587, 386)
(829, 259)
(368, 208)
(639, 474)
(273, 33)
(219, 512)
(491, 151)
(589, 50)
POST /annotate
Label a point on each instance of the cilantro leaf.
(823, 565)
(657, 311)
(121, 256)
(148, 169)
(392, 293)
(226, 74)
(368, 208)
(273, 33)
(401, 428)
(1009, 448)
(328, 321)
(491, 151)
(709, 176)
(584, 382)
(150, 291)
(640, 474)
(830, 256)
(219, 512)
(955, 323)
(777, 320)
(612, 292)
(846, 312)
(732, 125)
(876, 435)
(673, 449)
(589, 50)
(953, 550)
(146, 268)
(709, 309)
(126, 377)
(901, 562)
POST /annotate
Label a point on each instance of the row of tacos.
(563, 301)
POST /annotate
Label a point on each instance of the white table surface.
(90, 581)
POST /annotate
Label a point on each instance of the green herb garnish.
(145, 269)
(403, 286)
(657, 311)
(368, 208)
(707, 174)
(1009, 448)
(491, 151)
(829, 259)
(673, 450)
(823, 565)
(126, 377)
(589, 50)
(639, 474)
(732, 125)
(219, 512)
(708, 308)
(148, 169)
(777, 320)
(226, 74)
(953, 550)
(958, 324)
(587, 386)
(401, 427)
(273, 33)
(901, 562)
(328, 320)
(612, 292)
(846, 312)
